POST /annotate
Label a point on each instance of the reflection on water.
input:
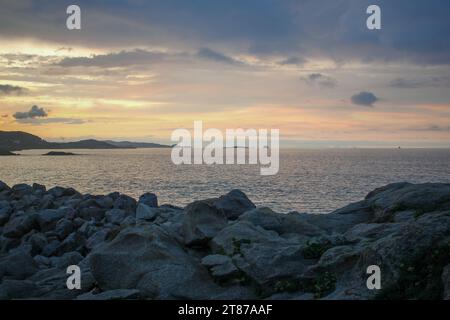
(315, 181)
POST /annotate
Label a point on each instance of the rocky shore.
(223, 248)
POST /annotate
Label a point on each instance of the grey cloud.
(35, 121)
(420, 83)
(115, 59)
(216, 56)
(35, 112)
(6, 89)
(321, 80)
(364, 98)
(292, 61)
(431, 127)
(138, 57)
(413, 30)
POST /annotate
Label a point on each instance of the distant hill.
(6, 153)
(83, 144)
(129, 144)
(18, 140)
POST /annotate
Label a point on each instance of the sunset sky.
(139, 69)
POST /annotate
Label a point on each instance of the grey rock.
(92, 213)
(52, 283)
(7, 244)
(38, 242)
(145, 212)
(16, 289)
(174, 216)
(119, 294)
(67, 259)
(114, 195)
(236, 292)
(42, 262)
(18, 265)
(75, 241)
(46, 202)
(88, 228)
(160, 268)
(234, 203)
(26, 201)
(369, 231)
(97, 238)
(214, 260)
(128, 221)
(87, 201)
(126, 203)
(282, 223)
(446, 282)
(78, 222)
(105, 202)
(5, 213)
(267, 262)
(336, 222)
(63, 228)
(20, 190)
(386, 202)
(20, 225)
(4, 204)
(232, 238)
(252, 248)
(292, 296)
(115, 216)
(149, 199)
(58, 192)
(48, 218)
(221, 267)
(225, 271)
(39, 188)
(389, 250)
(201, 223)
(261, 254)
(72, 202)
(51, 248)
(4, 186)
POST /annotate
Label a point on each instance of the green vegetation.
(237, 245)
(324, 284)
(287, 285)
(420, 277)
(316, 250)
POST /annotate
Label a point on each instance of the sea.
(315, 181)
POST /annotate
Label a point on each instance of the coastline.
(225, 247)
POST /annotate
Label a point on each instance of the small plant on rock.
(315, 250)
(324, 284)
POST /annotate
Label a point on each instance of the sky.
(137, 70)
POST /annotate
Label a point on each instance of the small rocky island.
(222, 248)
(59, 153)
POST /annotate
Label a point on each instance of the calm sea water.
(314, 181)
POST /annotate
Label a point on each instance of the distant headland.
(18, 140)
(7, 153)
